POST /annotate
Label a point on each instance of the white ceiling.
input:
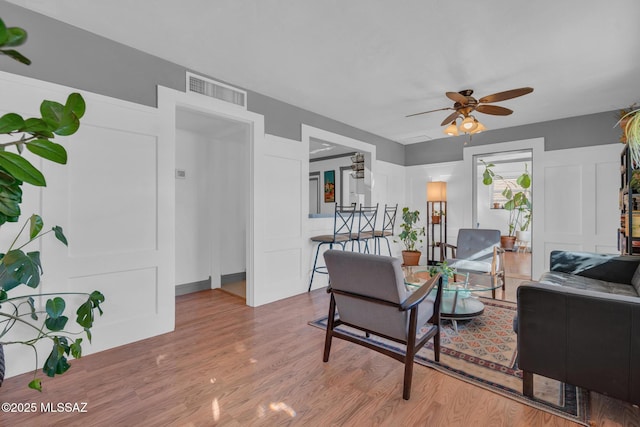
(369, 63)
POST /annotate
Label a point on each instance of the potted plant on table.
(518, 203)
(446, 272)
(17, 268)
(410, 236)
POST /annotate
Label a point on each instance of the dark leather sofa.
(580, 324)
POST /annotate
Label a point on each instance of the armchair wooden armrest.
(420, 294)
(443, 250)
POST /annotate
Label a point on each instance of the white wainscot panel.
(607, 185)
(283, 265)
(282, 218)
(112, 193)
(563, 208)
(607, 249)
(128, 294)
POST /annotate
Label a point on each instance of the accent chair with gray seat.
(477, 251)
(369, 294)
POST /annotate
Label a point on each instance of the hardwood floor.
(232, 365)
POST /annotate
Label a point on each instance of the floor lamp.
(436, 218)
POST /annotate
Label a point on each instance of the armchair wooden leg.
(330, 325)
(436, 345)
(527, 383)
(408, 374)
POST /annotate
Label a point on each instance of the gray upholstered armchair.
(477, 251)
(369, 294)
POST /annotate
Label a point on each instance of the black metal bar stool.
(342, 226)
(366, 227)
(388, 224)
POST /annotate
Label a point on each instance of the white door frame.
(168, 101)
(536, 145)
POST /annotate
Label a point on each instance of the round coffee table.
(458, 301)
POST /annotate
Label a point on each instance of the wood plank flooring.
(231, 365)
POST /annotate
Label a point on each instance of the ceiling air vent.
(216, 90)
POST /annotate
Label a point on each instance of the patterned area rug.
(483, 352)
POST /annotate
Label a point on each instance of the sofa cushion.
(581, 282)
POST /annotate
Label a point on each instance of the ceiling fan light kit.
(452, 129)
(465, 104)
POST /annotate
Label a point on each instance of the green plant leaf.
(76, 348)
(17, 36)
(68, 125)
(35, 125)
(4, 33)
(35, 225)
(57, 324)
(36, 384)
(21, 169)
(57, 230)
(20, 268)
(76, 105)
(52, 113)
(11, 122)
(55, 307)
(48, 150)
(14, 54)
(9, 202)
(5, 178)
(524, 181)
(88, 331)
(56, 363)
(4, 296)
(486, 177)
(85, 315)
(85, 311)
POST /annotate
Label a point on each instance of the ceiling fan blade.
(457, 97)
(451, 117)
(430, 111)
(496, 110)
(508, 94)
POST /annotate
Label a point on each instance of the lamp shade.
(436, 191)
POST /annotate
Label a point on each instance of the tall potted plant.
(518, 202)
(410, 236)
(17, 268)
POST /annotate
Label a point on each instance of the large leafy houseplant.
(410, 235)
(17, 267)
(518, 197)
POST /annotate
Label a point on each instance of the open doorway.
(505, 203)
(212, 202)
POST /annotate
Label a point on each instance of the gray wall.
(73, 57)
(572, 132)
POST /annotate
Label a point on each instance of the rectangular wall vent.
(214, 89)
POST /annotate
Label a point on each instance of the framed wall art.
(329, 186)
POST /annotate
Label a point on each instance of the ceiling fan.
(465, 104)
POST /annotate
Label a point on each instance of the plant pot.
(435, 219)
(411, 257)
(523, 236)
(507, 242)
